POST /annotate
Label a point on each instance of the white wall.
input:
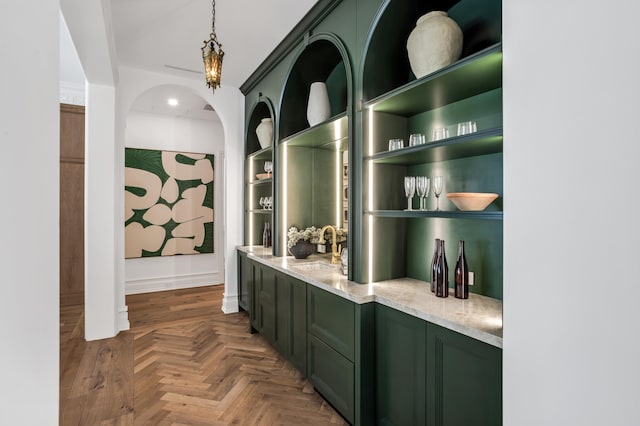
(29, 253)
(571, 227)
(161, 132)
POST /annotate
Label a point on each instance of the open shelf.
(263, 154)
(260, 211)
(485, 215)
(261, 182)
(470, 76)
(478, 143)
(323, 135)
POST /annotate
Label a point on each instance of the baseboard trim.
(230, 304)
(149, 285)
(123, 319)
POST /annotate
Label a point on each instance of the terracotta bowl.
(262, 176)
(471, 201)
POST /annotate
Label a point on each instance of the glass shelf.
(486, 215)
(470, 76)
(323, 135)
(478, 143)
(260, 211)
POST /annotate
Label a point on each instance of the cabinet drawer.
(332, 319)
(332, 375)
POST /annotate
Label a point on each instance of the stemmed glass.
(438, 184)
(422, 188)
(409, 189)
(269, 202)
(262, 202)
(268, 167)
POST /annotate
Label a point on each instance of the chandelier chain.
(213, 16)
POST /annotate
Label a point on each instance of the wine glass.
(261, 202)
(422, 188)
(409, 189)
(438, 184)
(268, 167)
(269, 203)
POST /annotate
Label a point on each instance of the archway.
(191, 251)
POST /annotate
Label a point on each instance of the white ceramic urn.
(264, 131)
(318, 108)
(434, 43)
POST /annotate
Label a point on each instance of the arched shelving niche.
(258, 184)
(323, 59)
(262, 109)
(398, 105)
(386, 64)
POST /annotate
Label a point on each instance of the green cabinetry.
(429, 375)
(341, 353)
(400, 367)
(245, 280)
(277, 305)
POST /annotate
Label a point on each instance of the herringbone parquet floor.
(183, 362)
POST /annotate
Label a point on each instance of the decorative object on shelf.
(212, 54)
(471, 201)
(422, 188)
(266, 235)
(268, 167)
(262, 176)
(439, 133)
(264, 131)
(442, 272)
(438, 185)
(416, 139)
(409, 190)
(396, 144)
(434, 43)
(318, 108)
(466, 127)
(461, 274)
(434, 259)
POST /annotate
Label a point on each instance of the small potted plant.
(301, 243)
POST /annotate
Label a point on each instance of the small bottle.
(461, 274)
(266, 235)
(433, 265)
(442, 273)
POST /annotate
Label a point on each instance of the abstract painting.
(168, 203)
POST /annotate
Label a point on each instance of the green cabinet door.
(331, 318)
(332, 375)
(282, 312)
(266, 295)
(400, 367)
(464, 384)
(245, 280)
(298, 325)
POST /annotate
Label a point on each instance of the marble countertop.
(478, 317)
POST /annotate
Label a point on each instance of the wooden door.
(71, 204)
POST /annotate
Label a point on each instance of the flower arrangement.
(312, 234)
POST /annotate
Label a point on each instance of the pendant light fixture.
(212, 54)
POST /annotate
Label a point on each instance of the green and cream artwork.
(168, 203)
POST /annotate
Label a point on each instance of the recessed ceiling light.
(172, 101)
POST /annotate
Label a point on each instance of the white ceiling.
(151, 34)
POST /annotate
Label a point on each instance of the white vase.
(434, 43)
(264, 131)
(318, 108)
